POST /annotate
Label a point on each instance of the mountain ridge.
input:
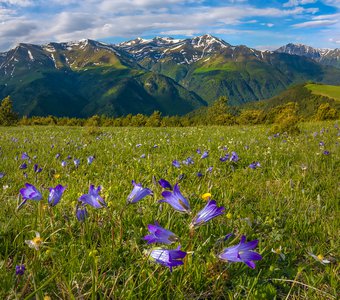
(163, 73)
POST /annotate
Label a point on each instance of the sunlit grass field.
(331, 91)
(290, 202)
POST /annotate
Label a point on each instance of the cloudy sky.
(256, 23)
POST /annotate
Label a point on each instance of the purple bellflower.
(63, 163)
(205, 154)
(37, 169)
(2, 174)
(234, 157)
(23, 166)
(176, 163)
(188, 161)
(165, 184)
(76, 162)
(30, 192)
(224, 158)
(168, 258)
(93, 198)
(55, 194)
(138, 193)
(25, 156)
(254, 165)
(81, 213)
(210, 211)
(20, 270)
(90, 159)
(241, 253)
(159, 234)
(176, 200)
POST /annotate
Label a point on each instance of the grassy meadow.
(290, 202)
(331, 91)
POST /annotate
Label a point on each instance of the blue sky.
(265, 24)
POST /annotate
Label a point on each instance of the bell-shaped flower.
(254, 165)
(20, 270)
(241, 253)
(81, 213)
(176, 163)
(234, 157)
(210, 211)
(23, 166)
(55, 194)
(76, 162)
(93, 198)
(188, 161)
(205, 154)
(25, 156)
(90, 159)
(225, 157)
(36, 168)
(176, 200)
(159, 234)
(165, 184)
(30, 192)
(167, 257)
(138, 193)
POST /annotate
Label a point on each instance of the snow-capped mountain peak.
(324, 56)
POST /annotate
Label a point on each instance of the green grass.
(331, 91)
(226, 67)
(291, 201)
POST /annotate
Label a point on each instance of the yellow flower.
(47, 297)
(206, 196)
(36, 242)
(229, 215)
(56, 176)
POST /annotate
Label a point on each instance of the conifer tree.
(7, 116)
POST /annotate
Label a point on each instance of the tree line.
(285, 117)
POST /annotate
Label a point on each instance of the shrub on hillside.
(326, 112)
(286, 120)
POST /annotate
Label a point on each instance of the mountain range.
(87, 77)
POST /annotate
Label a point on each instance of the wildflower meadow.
(169, 213)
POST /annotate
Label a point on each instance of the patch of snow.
(55, 63)
(177, 47)
(30, 55)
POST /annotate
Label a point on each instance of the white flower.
(278, 251)
(36, 242)
(319, 258)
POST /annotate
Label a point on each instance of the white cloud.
(130, 18)
(316, 23)
(335, 3)
(292, 3)
(22, 3)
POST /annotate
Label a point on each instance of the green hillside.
(330, 91)
(245, 77)
(307, 101)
